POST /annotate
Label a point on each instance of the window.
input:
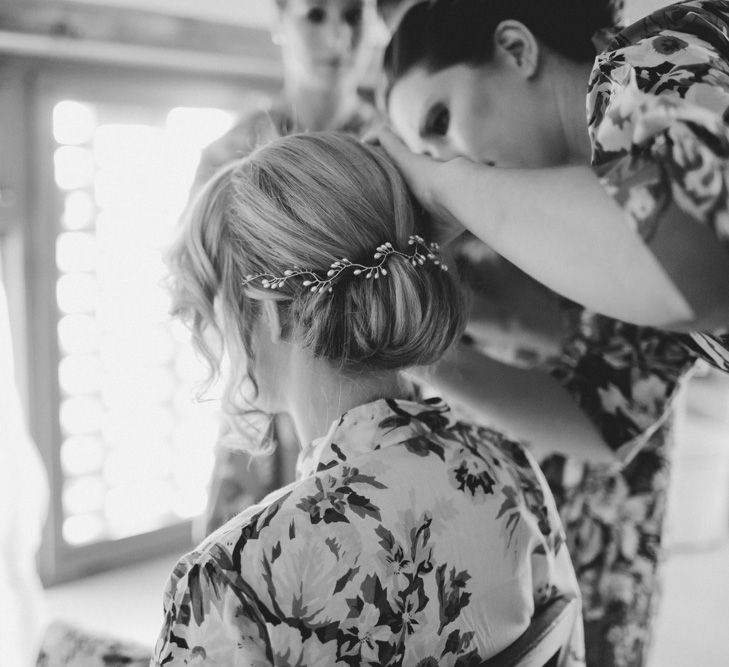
(112, 394)
(135, 451)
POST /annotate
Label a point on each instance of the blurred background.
(105, 107)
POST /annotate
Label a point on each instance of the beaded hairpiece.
(421, 252)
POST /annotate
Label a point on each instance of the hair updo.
(305, 201)
(443, 33)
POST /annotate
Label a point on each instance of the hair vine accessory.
(421, 252)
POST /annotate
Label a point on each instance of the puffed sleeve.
(211, 615)
(658, 107)
(658, 110)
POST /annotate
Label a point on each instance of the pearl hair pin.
(420, 253)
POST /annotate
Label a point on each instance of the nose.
(339, 35)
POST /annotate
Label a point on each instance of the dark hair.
(440, 34)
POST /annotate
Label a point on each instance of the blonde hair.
(304, 201)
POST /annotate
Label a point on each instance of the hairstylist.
(503, 84)
(632, 195)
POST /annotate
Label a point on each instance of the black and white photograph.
(380, 333)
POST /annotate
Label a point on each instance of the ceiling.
(256, 13)
(259, 13)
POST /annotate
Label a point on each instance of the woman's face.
(325, 43)
(489, 114)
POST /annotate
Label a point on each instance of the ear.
(517, 47)
(271, 319)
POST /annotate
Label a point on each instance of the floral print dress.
(409, 538)
(657, 108)
(625, 379)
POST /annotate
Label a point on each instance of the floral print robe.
(409, 539)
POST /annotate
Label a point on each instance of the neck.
(318, 109)
(318, 394)
(570, 92)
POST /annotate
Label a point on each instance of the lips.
(335, 63)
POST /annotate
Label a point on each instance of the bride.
(409, 537)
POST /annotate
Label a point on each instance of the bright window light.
(74, 167)
(76, 251)
(80, 415)
(78, 334)
(189, 502)
(83, 529)
(198, 127)
(81, 455)
(73, 122)
(138, 447)
(78, 211)
(140, 462)
(192, 470)
(79, 374)
(130, 422)
(77, 293)
(137, 507)
(127, 148)
(84, 495)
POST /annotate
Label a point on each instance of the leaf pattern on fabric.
(658, 118)
(614, 526)
(378, 559)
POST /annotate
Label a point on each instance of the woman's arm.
(527, 404)
(560, 226)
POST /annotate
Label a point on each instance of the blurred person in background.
(326, 48)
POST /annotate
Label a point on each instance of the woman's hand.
(524, 403)
(427, 179)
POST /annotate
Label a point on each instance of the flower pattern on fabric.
(624, 377)
(658, 112)
(614, 526)
(374, 556)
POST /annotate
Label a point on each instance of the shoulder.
(259, 125)
(670, 66)
(704, 19)
(285, 525)
(251, 130)
(687, 42)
